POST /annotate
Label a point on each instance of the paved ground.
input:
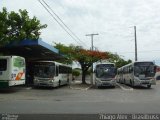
(81, 99)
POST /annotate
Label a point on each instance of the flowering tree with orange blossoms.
(85, 57)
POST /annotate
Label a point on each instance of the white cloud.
(112, 19)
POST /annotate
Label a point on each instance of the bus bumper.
(144, 82)
(106, 83)
(44, 84)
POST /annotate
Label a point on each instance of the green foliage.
(77, 53)
(18, 26)
(84, 57)
(119, 62)
(66, 51)
(75, 73)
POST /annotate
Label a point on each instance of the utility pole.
(91, 39)
(92, 50)
(135, 43)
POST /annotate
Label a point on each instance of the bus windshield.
(144, 68)
(103, 71)
(44, 70)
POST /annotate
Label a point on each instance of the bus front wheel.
(59, 84)
(132, 83)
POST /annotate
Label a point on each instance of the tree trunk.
(83, 77)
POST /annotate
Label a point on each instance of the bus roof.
(135, 62)
(57, 63)
(105, 63)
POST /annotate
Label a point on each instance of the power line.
(57, 21)
(62, 24)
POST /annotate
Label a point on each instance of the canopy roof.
(32, 50)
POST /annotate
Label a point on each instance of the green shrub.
(75, 73)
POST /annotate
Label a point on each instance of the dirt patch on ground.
(80, 86)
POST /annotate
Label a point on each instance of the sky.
(113, 20)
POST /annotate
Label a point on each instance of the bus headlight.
(51, 81)
(136, 80)
(36, 80)
(113, 81)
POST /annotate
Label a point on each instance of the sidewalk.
(77, 85)
(157, 81)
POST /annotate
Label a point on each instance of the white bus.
(119, 76)
(51, 74)
(12, 71)
(105, 74)
(137, 74)
(157, 75)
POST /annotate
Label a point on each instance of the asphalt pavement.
(70, 100)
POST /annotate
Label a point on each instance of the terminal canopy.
(32, 50)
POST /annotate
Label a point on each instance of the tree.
(83, 56)
(119, 62)
(18, 26)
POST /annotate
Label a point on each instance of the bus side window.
(3, 64)
(56, 70)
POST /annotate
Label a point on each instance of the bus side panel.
(18, 71)
(5, 74)
(64, 78)
(56, 81)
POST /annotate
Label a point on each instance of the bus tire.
(59, 83)
(132, 83)
(149, 86)
(124, 82)
(68, 81)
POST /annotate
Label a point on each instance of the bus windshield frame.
(44, 69)
(144, 68)
(105, 71)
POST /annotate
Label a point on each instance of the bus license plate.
(145, 82)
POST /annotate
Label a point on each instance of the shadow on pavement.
(48, 88)
(142, 87)
(136, 87)
(8, 90)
